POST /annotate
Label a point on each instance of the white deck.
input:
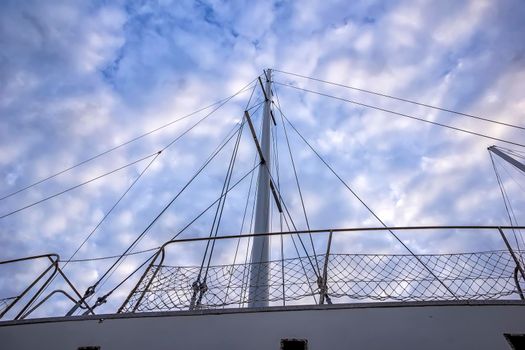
(417, 325)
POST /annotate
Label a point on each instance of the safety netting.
(349, 278)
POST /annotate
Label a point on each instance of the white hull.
(439, 325)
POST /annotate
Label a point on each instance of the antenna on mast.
(258, 291)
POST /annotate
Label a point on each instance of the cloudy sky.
(79, 78)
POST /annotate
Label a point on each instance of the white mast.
(258, 292)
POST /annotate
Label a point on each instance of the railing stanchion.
(324, 284)
(511, 251)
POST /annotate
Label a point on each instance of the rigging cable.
(513, 178)
(246, 273)
(245, 211)
(90, 292)
(298, 186)
(168, 205)
(402, 114)
(102, 220)
(510, 204)
(505, 201)
(111, 210)
(281, 199)
(163, 149)
(214, 153)
(368, 208)
(192, 221)
(278, 185)
(109, 257)
(405, 100)
(218, 213)
(221, 103)
(79, 185)
(213, 203)
(297, 249)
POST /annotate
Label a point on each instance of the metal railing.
(344, 277)
(338, 277)
(36, 288)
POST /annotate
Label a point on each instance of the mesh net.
(366, 277)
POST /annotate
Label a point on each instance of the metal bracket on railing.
(89, 292)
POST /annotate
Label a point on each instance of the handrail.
(46, 299)
(55, 269)
(336, 230)
(54, 263)
(31, 258)
(330, 231)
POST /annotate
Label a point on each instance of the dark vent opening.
(294, 344)
(89, 348)
(516, 341)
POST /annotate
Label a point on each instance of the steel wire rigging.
(79, 185)
(362, 202)
(404, 115)
(220, 103)
(448, 110)
(237, 130)
(298, 269)
(509, 210)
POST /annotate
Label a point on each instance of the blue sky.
(81, 77)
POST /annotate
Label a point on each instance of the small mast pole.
(258, 289)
